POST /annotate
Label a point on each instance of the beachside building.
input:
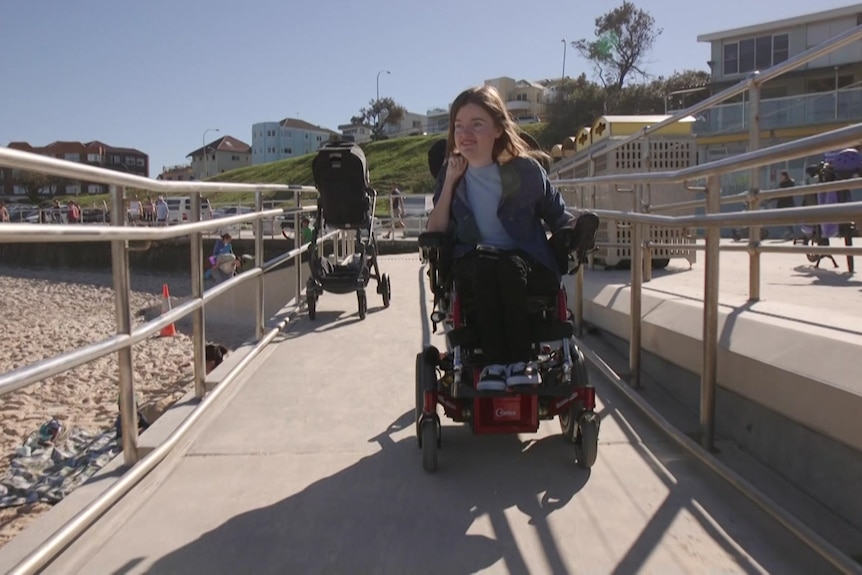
(437, 120)
(179, 173)
(14, 183)
(221, 155)
(411, 124)
(524, 99)
(822, 95)
(358, 133)
(289, 138)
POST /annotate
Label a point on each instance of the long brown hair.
(509, 145)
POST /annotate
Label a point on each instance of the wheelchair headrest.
(436, 157)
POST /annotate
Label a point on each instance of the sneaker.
(522, 374)
(492, 378)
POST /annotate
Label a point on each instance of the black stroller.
(346, 202)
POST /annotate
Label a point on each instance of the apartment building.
(411, 124)
(819, 96)
(359, 133)
(179, 173)
(524, 99)
(437, 120)
(221, 155)
(289, 138)
(129, 160)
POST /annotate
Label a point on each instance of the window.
(141, 162)
(115, 159)
(755, 54)
(746, 56)
(130, 160)
(94, 189)
(780, 48)
(287, 150)
(73, 190)
(730, 60)
(763, 52)
(234, 158)
(73, 157)
(94, 158)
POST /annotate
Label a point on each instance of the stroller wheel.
(385, 290)
(362, 300)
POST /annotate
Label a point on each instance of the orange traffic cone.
(168, 330)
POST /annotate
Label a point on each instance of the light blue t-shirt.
(484, 191)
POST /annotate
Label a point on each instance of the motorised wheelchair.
(449, 378)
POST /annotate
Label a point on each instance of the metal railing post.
(297, 241)
(709, 368)
(646, 202)
(259, 312)
(120, 270)
(197, 279)
(754, 187)
(637, 264)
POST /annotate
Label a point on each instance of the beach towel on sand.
(48, 473)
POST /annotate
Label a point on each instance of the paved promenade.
(311, 466)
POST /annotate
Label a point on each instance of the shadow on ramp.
(385, 514)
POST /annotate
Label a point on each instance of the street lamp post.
(204, 144)
(377, 101)
(563, 77)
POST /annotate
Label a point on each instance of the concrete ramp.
(312, 466)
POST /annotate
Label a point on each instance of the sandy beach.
(47, 312)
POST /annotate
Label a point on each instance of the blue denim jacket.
(528, 199)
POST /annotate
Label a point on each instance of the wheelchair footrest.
(466, 391)
(550, 331)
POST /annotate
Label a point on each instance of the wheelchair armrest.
(431, 243)
(573, 244)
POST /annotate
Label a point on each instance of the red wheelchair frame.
(449, 379)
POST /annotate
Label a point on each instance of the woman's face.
(475, 134)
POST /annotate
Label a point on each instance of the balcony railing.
(791, 111)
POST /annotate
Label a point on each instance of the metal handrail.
(17, 159)
(765, 195)
(756, 78)
(818, 143)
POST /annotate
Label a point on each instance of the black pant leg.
(519, 276)
(476, 278)
(512, 272)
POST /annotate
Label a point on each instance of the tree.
(677, 92)
(578, 103)
(385, 108)
(624, 37)
(34, 183)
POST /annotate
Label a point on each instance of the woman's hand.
(455, 168)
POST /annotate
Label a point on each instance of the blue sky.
(154, 74)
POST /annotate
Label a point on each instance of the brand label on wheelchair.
(507, 409)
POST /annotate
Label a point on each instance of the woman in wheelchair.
(493, 196)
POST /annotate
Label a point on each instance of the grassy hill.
(402, 160)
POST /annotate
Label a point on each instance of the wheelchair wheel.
(426, 377)
(568, 419)
(587, 440)
(362, 301)
(430, 443)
